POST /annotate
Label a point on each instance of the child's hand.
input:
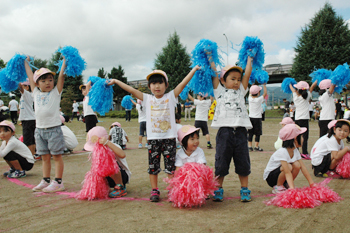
(197, 67)
(111, 82)
(102, 140)
(312, 185)
(348, 148)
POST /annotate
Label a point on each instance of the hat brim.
(81, 86)
(89, 146)
(153, 73)
(332, 123)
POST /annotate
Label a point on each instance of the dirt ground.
(22, 210)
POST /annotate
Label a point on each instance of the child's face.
(341, 132)
(46, 85)
(158, 89)
(192, 143)
(84, 91)
(233, 80)
(5, 134)
(26, 87)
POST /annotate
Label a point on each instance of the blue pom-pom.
(285, 85)
(340, 76)
(15, 68)
(75, 64)
(261, 76)
(184, 93)
(338, 89)
(320, 75)
(93, 79)
(7, 85)
(101, 97)
(252, 47)
(126, 102)
(201, 81)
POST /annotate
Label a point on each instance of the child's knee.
(296, 165)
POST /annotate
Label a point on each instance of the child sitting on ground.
(118, 135)
(70, 140)
(285, 121)
(15, 153)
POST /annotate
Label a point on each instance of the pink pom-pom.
(343, 167)
(21, 138)
(103, 161)
(94, 187)
(323, 193)
(191, 185)
(294, 198)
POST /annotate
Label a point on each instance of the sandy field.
(22, 210)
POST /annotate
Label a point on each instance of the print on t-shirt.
(160, 116)
(232, 105)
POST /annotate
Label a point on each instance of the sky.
(131, 33)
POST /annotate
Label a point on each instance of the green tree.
(119, 93)
(67, 100)
(173, 60)
(101, 73)
(2, 63)
(323, 43)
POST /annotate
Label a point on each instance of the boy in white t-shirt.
(13, 106)
(255, 115)
(161, 126)
(75, 110)
(48, 133)
(90, 117)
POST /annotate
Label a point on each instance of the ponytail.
(303, 93)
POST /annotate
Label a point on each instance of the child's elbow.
(122, 155)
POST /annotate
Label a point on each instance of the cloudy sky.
(130, 33)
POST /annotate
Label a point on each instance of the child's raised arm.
(215, 79)
(190, 97)
(118, 151)
(247, 73)
(61, 76)
(314, 84)
(178, 89)
(138, 94)
(29, 73)
(133, 101)
(292, 88)
(20, 87)
(265, 90)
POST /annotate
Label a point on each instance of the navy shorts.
(156, 147)
(273, 177)
(231, 143)
(203, 125)
(324, 166)
(49, 141)
(28, 132)
(143, 129)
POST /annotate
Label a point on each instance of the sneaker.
(17, 174)
(39, 187)
(178, 147)
(37, 157)
(155, 196)
(286, 185)
(140, 146)
(305, 156)
(119, 191)
(12, 170)
(209, 146)
(331, 174)
(245, 195)
(258, 149)
(218, 195)
(278, 189)
(54, 187)
(146, 145)
(250, 149)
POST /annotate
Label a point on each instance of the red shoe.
(332, 174)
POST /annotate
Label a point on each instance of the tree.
(119, 93)
(101, 73)
(67, 100)
(324, 43)
(174, 61)
(2, 64)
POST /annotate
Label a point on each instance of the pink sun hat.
(229, 67)
(325, 84)
(8, 124)
(254, 89)
(26, 83)
(302, 85)
(41, 72)
(161, 72)
(184, 131)
(93, 136)
(291, 131)
(333, 122)
(286, 121)
(117, 124)
(62, 119)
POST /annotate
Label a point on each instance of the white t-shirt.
(276, 158)
(255, 108)
(311, 106)
(301, 106)
(343, 105)
(124, 165)
(230, 108)
(324, 146)
(70, 139)
(142, 113)
(47, 108)
(202, 109)
(87, 108)
(347, 114)
(197, 156)
(27, 111)
(17, 146)
(160, 115)
(13, 105)
(75, 107)
(1, 103)
(328, 106)
(178, 126)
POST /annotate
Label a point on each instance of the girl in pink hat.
(285, 164)
(285, 121)
(118, 135)
(330, 149)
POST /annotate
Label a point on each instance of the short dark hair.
(177, 116)
(6, 128)
(290, 143)
(228, 72)
(157, 78)
(45, 76)
(303, 93)
(339, 124)
(13, 97)
(185, 139)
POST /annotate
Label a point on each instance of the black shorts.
(323, 124)
(90, 122)
(28, 132)
(324, 166)
(157, 147)
(273, 177)
(257, 126)
(203, 125)
(25, 165)
(143, 132)
(125, 178)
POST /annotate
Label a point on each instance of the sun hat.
(229, 67)
(38, 73)
(286, 121)
(325, 84)
(302, 85)
(290, 131)
(26, 83)
(333, 122)
(185, 130)
(8, 124)
(93, 136)
(161, 72)
(62, 119)
(81, 86)
(117, 124)
(254, 89)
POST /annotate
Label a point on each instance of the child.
(13, 106)
(118, 135)
(201, 118)
(188, 135)
(255, 111)
(142, 120)
(89, 114)
(48, 134)
(292, 110)
(178, 126)
(188, 108)
(161, 129)
(75, 110)
(120, 179)
(329, 149)
(285, 121)
(232, 119)
(15, 153)
(70, 140)
(285, 164)
(27, 115)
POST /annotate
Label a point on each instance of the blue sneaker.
(218, 195)
(245, 195)
(119, 191)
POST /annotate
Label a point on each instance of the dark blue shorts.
(143, 129)
(232, 144)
